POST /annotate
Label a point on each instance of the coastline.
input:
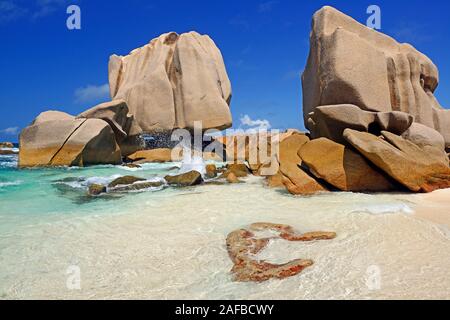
(138, 248)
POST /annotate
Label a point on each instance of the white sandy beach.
(434, 207)
(171, 245)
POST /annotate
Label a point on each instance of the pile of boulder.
(100, 135)
(167, 84)
(374, 123)
(368, 103)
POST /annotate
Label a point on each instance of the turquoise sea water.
(169, 243)
(29, 194)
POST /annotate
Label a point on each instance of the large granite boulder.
(331, 121)
(352, 64)
(342, 167)
(296, 180)
(424, 136)
(157, 155)
(57, 139)
(418, 169)
(172, 82)
(125, 127)
(51, 115)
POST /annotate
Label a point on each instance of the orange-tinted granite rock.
(243, 244)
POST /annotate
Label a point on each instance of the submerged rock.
(137, 186)
(96, 189)
(132, 165)
(191, 178)
(123, 181)
(243, 245)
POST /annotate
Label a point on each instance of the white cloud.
(255, 124)
(12, 131)
(47, 7)
(11, 10)
(92, 93)
(266, 6)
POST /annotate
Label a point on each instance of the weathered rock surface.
(294, 178)
(231, 178)
(51, 115)
(342, 167)
(424, 136)
(172, 82)
(191, 178)
(244, 244)
(275, 181)
(331, 121)
(418, 169)
(238, 170)
(68, 142)
(211, 171)
(156, 155)
(117, 115)
(352, 64)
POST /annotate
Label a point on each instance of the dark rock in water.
(191, 178)
(124, 181)
(7, 152)
(211, 171)
(243, 245)
(132, 165)
(96, 189)
(138, 186)
(6, 145)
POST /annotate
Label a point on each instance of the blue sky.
(264, 43)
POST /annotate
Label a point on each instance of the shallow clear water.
(170, 243)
